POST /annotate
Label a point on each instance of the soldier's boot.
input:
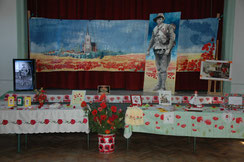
(164, 77)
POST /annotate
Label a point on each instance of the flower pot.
(106, 143)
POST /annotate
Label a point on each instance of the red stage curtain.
(120, 10)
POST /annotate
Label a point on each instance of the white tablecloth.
(44, 120)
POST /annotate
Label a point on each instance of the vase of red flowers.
(40, 97)
(105, 120)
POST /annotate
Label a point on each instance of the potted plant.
(105, 120)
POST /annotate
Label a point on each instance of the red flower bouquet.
(40, 97)
(103, 118)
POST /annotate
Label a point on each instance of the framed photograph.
(233, 101)
(103, 89)
(24, 74)
(136, 100)
(77, 97)
(165, 98)
(27, 101)
(20, 101)
(216, 70)
(10, 101)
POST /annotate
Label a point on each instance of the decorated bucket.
(106, 143)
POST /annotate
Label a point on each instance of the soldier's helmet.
(158, 16)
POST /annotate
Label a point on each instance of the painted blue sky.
(170, 18)
(193, 34)
(116, 35)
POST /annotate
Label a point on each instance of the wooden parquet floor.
(72, 147)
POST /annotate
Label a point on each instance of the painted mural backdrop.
(150, 79)
(197, 42)
(83, 45)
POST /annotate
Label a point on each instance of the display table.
(31, 120)
(212, 122)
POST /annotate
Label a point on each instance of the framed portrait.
(165, 98)
(103, 89)
(24, 74)
(233, 101)
(136, 100)
(216, 70)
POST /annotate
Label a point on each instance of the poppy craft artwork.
(40, 97)
(104, 120)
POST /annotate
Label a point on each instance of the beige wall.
(8, 43)
(237, 84)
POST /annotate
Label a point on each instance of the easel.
(214, 92)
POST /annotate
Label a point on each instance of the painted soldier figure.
(162, 42)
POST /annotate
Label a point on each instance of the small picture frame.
(103, 89)
(10, 101)
(136, 100)
(233, 101)
(165, 98)
(27, 101)
(20, 101)
(216, 70)
(77, 97)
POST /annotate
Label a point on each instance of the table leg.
(127, 144)
(194, 144)
(88, 141)
(188, 139)
(26, 141)
(19, 143)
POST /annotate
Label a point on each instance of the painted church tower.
(87, 47)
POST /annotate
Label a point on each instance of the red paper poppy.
(19, 122)
(113, 109)
(83, 104)
(72, 121)
(221, 127)
(199, 119)
(162, 117)
(94, 112)
(60, 121)
(208, 122)
(156, 115)
(103, 117)
(178, 116)
(46, 121)
(103, 105)
(85, 120)
(33, 122)
(5, 122)
(147, 123)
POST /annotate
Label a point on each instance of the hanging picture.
(88, 45)
(197, 42)
(216, 70)
(165, 98)
(77, 97)
(136, 100)
(103, 89)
